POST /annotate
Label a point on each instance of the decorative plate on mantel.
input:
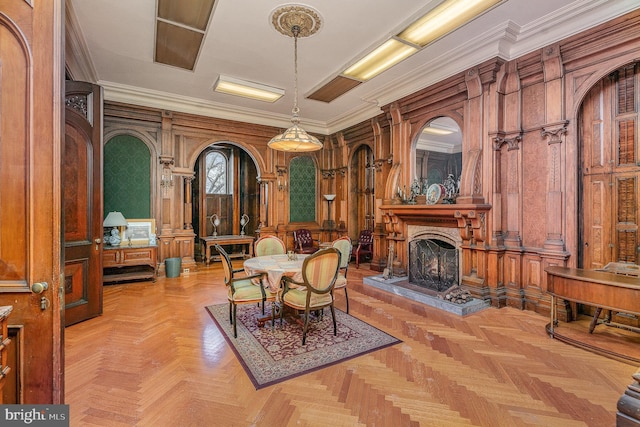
(435, 192)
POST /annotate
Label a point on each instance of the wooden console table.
(210, 241)
(124, 263)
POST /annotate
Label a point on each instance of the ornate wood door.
(611, 170)
(83, 207)
(31, 129)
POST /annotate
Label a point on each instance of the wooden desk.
(596, 288)
(123, 263)
(210, 241)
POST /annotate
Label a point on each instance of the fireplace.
(434, 257)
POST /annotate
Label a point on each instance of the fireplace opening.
(433, 264)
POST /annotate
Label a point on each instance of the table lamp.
(115, 220)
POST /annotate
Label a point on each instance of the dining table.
(275, 267)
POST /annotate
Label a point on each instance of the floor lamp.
(329, 198)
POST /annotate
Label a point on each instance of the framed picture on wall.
(139, 231)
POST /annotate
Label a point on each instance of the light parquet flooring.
(155, 358)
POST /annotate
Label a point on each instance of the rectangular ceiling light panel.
(247, 89)
(443, 19)
(384, 57)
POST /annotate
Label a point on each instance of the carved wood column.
(166, 159)
(383, 158)
(188, 202)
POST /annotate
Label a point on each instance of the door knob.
(39, 287)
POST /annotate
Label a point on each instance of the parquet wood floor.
(155, 358)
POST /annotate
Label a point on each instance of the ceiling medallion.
(306, 19)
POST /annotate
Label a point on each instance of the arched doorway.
(225, 185)
(609, 175)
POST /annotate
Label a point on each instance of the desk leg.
(207, 254)
(553, 314)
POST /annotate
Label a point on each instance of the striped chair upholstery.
(241, 289)
(269, 245)
(319, 273)
(343, 244)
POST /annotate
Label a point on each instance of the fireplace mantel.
(462, 216)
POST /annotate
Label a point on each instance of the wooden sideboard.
(5, 311)
(125, 263)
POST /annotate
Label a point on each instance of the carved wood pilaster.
(554, 133)
(188, 203)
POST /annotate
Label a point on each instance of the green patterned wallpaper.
(127, 177)
(302, 190)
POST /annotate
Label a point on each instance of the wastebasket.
(172, 267)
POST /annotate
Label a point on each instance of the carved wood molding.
(511, 140)
(470, 219)
(166, 161)
(555, 131)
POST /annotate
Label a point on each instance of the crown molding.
(78, 61)
(116, 92)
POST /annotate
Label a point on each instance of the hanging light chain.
(295, 30)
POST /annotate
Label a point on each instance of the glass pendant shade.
(295, 139)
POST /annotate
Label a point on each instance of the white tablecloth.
(275, 266)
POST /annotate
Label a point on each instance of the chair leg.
(346, 296)
(230, 314)
(333, 314)
(306, 324)
(273, 314)
(235, 321)
(281, 314)
(357, 260)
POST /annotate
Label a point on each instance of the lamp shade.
(329, 197)
(114, 219)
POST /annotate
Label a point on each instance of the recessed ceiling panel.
(333, 89)
(177, 46)
(192, 13)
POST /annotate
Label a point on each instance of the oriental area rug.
(271, 356)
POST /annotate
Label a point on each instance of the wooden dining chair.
(269, 245)
(343, 244)
(315, 292)
(365, 246)
(241, 289)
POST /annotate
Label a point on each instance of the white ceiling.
(118, 38)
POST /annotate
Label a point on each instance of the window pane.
(216, 173)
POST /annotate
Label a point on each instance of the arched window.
(217, 173)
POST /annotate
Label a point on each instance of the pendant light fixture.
(295, 21)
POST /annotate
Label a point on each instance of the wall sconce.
(166, 180)
(282, 184)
